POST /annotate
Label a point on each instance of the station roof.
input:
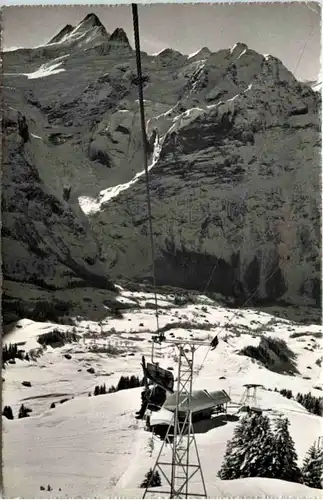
(201, 400)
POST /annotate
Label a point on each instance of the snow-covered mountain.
(315, 84)
(234, 144)
(235, 161)
(88, 30)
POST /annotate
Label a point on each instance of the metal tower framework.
(185, 461)
(249, 397)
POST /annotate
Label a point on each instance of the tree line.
(11, 352)
(23, 412)
(125, 382)
(311, 403)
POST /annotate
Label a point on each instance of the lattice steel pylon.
(249, 397)
(184, 462)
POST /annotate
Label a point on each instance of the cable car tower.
(180, 433)
(249, 397)
(184, 463)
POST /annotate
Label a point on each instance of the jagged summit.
(239, 47)
(202, 53)
(90, 27)
(117, 43)
(119, 36)
(88, 33)
(92, 20)
(168, 52)
(89, 23)
(61, 35)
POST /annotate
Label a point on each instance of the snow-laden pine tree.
(233, 457)
(284, 463)
(249, 452)
(312, 469)
(259, 450)
(152, 479)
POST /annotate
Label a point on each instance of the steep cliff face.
(45, 243)
(235, 196)
(234, 143)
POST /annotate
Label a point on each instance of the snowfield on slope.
(90, 205)
(93, 447)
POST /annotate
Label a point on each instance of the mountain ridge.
(91, 29)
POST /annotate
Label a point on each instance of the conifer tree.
(237, 449)
(7, 412)
(312, 469)
(122, 384)
(259, 450)
(127, 382)
(284, 454)
(299, 398)
(23, 412)
(151, 479)
(318, 407)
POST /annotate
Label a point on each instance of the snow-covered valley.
(94, 447)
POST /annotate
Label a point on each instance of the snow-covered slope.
(316, 85)
(93, 447)
(234, 145)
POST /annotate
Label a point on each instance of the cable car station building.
(203, 404)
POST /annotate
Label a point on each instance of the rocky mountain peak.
(200, 55)
(167, 52)
(62, 34)
(90, 31)
(275, 71)
(239, 47)
(119, 36)
(90, 21)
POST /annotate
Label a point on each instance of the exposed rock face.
(234, 168)
(119, 37)
(233, 206)
(90, 21)
(61, 35)
(44, 242)
(90, 29)
(50, 245)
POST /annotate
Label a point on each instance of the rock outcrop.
(45, 243)
(62, 34)
(235, 200)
